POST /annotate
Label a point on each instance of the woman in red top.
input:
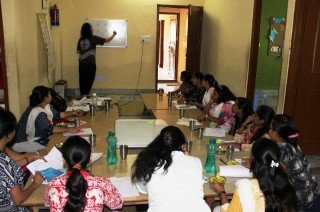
(78, 190)
(255, 126)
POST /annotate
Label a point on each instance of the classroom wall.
(119, 67)
(269, 67)
(226, 42)
(117, 74)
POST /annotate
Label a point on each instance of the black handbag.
(58, 103)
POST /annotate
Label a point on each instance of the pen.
(223, 161)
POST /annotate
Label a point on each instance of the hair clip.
(274, 164)
(293, 136)
(77, 166)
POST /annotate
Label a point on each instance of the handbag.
(58, 102)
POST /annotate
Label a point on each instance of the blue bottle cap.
(212, 141)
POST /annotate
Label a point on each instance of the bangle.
(26, 160)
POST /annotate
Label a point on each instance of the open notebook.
(53, 166)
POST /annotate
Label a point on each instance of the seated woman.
(241, 109)
(78, 190)
(172, 179)
(186, 84)
(255, 126)
(209, 83)
(269, 190)
(196, 93)
(35, 127)
(284, 132)
(221, 108)
(12, 193)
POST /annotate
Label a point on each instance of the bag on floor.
(58, 103)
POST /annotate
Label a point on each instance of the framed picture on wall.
(276, 36)
(45, 4)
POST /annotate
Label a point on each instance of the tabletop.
(104, 121)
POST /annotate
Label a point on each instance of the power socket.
(145, 38)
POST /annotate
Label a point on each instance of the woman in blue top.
(35, 127)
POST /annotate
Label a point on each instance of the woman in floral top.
(284, 132)
(256, 126)
(221, 108)
(78, 190)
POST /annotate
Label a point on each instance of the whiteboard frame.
(113, 46)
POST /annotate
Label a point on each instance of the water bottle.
(210, 165)
(94, 100)
(112, 157)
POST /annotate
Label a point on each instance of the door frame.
(254, 50)
(157, 34)
(177, 45)
(3, 62)
(295, 57)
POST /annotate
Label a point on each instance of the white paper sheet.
(95, 156)
(54, 160)
(234, 171)
(215, 132)
(185, 122)
(186, 107)
(85, 108)
(84, 131)
(124, 186)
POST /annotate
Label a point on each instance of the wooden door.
(193, 56)
(303, 89)
(3, 72)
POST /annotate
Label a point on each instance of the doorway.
(3, 73)
(178, 48)
(267, 45)
(168, 47)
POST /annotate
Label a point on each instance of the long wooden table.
(103, 122)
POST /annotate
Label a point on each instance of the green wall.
(269, 67)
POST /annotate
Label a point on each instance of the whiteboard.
(105, 27)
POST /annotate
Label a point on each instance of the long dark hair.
(198, 75)
(157, 154)
(265, 113)
(245, 106)
(286, 128)
(274, 183)
(76, 150)
(8, 122)
(86, 31)
(225, 94)
(38, 95)
(211, 80)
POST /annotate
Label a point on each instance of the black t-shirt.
(86, 48)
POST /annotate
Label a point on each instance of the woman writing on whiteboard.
(86, 49)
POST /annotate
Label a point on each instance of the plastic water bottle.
(94, 100)
(210, 165)
(112, 157)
